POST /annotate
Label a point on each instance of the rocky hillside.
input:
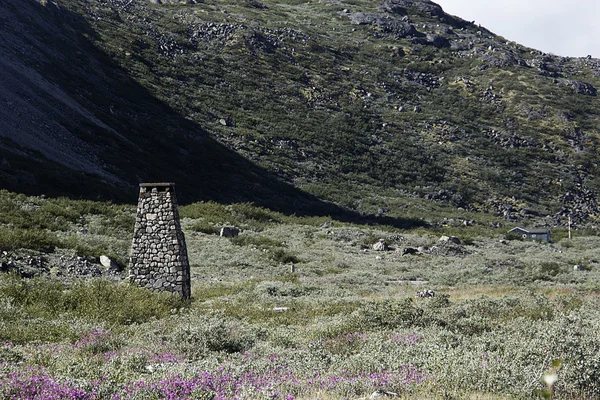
(365, 103)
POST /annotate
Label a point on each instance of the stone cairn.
(159, 258)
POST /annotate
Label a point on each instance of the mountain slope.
(74, 123)
(365, 103)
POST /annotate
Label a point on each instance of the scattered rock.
(26, 266)
(81, 267)
(578, 204)
(328, 224)
(425, 294)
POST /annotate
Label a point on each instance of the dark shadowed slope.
(74, 123)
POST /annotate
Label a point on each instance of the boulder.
(450, 239)
(410, 250)
(229, 231)
(381, 246)
(109, 263)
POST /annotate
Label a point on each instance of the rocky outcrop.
(395, 26)
(438, 41)
(578, 205)
(421, 6)
(580, 87)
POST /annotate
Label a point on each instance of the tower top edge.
(157, 184)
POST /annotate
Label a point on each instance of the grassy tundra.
(510, 319)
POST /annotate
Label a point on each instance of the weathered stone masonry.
(159, 255)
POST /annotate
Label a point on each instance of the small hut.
(541, 234)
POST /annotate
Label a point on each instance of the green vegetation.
(90, 228)
(343, 322)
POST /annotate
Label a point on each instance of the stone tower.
(158, 253)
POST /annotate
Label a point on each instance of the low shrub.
(205, 227)
(34, 239)
(391, 314)
(212, 332)
(260, 242)
(95, 300)
(283, 257)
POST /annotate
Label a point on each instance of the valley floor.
(509, 318)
